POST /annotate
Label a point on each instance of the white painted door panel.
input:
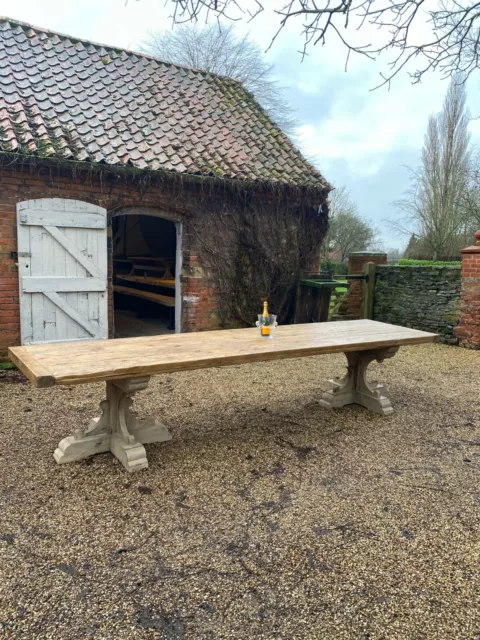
(62, 258)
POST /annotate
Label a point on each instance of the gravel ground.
(266, 516)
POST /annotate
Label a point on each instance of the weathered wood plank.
(74, 331)
(36, 262)
(70, 247)
(48, 269)
(167, 301)
(92, 361)
(71, 312)
(98, 252)
(33, 369)
(148, 267)
(60, 205)
(69, 219)
(79, 237)
(40, 284)
(24, 269)
(156, 282)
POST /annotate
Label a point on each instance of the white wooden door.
(62, 262)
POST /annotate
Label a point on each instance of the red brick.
(468, 330)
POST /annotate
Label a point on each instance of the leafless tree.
(471, 197)
(394, 254)
(452, 47)
(433, 204)
(347, 231)
(217, 49)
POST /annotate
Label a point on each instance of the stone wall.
(425, 298)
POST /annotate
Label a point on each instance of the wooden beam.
(59, 283)
(157, 282)
(70, 219)
(166, 301)
(147, 267)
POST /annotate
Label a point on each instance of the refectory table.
(127, 364)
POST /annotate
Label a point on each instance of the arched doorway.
(146, 266)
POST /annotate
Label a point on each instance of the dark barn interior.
(144, 283)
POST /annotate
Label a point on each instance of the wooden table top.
(94, 360)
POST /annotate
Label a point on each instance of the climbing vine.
(254, 239)
(258, 251)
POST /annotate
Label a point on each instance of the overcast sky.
(355, 137)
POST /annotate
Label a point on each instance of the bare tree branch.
(452, 48)
(470, 199)
(347, 230)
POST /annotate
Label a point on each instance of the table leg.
(354, 388)
(116, 430)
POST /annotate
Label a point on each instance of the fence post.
(368, 291)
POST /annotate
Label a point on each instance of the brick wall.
(9, 297)
(468, 330)
(200, 300)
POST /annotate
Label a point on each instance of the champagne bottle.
(265, 327)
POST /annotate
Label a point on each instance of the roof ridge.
(13, 21)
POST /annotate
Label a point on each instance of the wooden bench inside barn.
(144, 264)
(141, 269)
(127, 364)
(168, 283)
(158, 298)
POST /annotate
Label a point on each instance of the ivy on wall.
(257, 252)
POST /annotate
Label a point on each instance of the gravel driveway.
(266, 516)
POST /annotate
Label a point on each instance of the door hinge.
(24, 254)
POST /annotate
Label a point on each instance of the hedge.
(407, 262)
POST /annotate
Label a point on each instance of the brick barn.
(139, 197)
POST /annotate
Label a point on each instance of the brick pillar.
(355, 267)
(199, 298)
(468, 330)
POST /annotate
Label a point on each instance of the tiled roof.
(70, 99)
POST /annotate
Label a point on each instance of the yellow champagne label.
(265, 331)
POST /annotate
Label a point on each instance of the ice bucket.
(271, 324)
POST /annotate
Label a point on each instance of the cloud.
(118, 23)
(344, 118)
(361, 138)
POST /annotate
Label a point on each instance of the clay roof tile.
(124, 108)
